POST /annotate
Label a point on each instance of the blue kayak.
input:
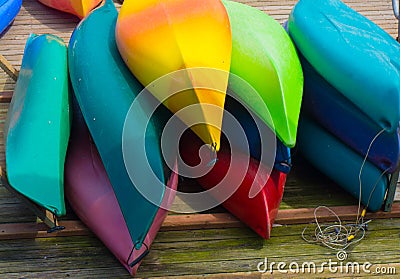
(105, 90)
(353, 54)
(253, 127)
(341, 164)
(8, 11)
(348, 123)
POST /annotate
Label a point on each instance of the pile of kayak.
(207, 89)
(349, 128)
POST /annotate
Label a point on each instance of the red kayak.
(91, 196)
(258, 212)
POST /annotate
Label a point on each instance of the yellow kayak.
(158, 37)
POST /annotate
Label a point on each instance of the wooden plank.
(346, 213)
(200, 221)
(39, 230)
(195, 222)
(5, 96)
(86, 257)
(287, 273)
(8, 68)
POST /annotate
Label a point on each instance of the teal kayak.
(38, 124)
(264, 57)
(341, 164)
(105, 90)
(353, 54)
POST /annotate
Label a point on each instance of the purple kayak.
(91, 196)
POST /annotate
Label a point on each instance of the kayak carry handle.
(138, 259)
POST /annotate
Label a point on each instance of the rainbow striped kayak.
(159, 37)
(38, 124)
(105, 90)
(264, 57)
(8, 11)
(80, 8)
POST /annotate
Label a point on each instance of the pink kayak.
(91, 196)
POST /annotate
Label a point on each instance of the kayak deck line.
(193, 222)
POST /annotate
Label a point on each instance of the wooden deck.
(213, 244)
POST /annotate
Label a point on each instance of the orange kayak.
(159, 37)
(80, 8)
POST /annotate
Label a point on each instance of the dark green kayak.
(105, 90)
(38, 124)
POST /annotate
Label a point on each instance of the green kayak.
(264, 56)
(38, 124)
(105, 90)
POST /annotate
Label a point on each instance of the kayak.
(258, 212)
(80, 8)
(353, 54)
(260, 141)
(327, 106)
(92, 197)
(341, 164)
(8, 11)
(105, 90)
(38, 124)
(159, 37)
(264, 56)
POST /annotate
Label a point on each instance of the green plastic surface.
(264, 56)
(38, 124)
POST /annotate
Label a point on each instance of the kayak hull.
(261, 142)
(39, 115)
(92, 197)
(348, 123)
(328, 154)
(353, 54)
(258, 212)
(157, 38)
(80, 8)
(267, 71)
(8, 11)
(114, 95)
